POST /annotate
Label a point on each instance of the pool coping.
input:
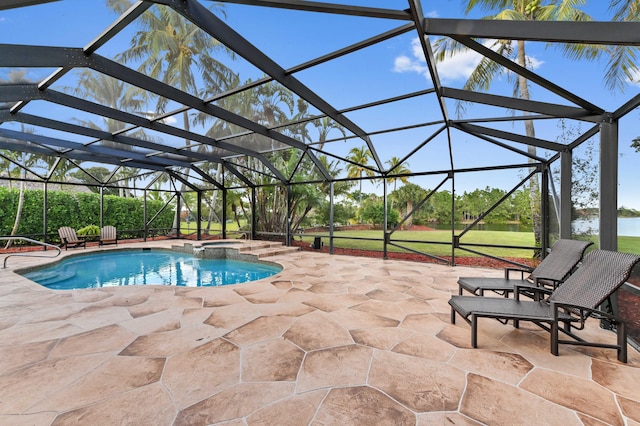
(27, 262)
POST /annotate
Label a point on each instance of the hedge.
(77, 210)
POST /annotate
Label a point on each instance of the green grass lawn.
(435, 242)
(216, 228)
(627, 244)
(432, 238)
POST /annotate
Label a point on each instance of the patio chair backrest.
(67, 234)
(602, 272)
(564, 256)
(108, 233)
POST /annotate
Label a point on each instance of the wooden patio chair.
(581, 296)
(553, 270)
(69, 238)
(108, 235)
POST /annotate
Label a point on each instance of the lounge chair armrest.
(538, 281)
(584, 311)
(507, 272)
(539, 291)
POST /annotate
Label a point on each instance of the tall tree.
(170, 49)
(623, 61)
(398, 168)
(24, 159)
(357, 168)
(408, 195)
(113, 93)
(173, 50)
(324, 126)
(487, 70)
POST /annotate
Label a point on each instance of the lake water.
(627, 226)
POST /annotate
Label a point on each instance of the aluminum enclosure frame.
(156, 156)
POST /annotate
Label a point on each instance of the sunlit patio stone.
(300, 349)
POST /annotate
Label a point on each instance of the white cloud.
(454, 68)
(169, 120)
(533, 63)
(414, 63)
(432, 14)
(459, 66)
(407, 64)
(635, 80)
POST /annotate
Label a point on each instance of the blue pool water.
(148, 267)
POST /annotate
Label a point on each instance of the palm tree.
(171, 48)
(270, 99)
(109, 92)
(5, 164)
(334, 170)
(409, 194)
(398, 168)
(26, 160)
(274, 106)
(487, 70)
(324, 126)
(113, 93)
(623, 63)
(359, 158)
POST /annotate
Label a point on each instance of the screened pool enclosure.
(188, 108)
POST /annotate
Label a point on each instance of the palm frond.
(621, 68)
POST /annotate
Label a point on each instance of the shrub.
(76, 210)
(89, 230)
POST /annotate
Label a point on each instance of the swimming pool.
(147, 267)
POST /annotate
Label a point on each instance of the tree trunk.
(214, 198)
(360, 220)
(534, 186)
(185, 118)
(409, 220)
(16, 223)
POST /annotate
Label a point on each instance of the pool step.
(266, 248)
(259, 245)
(273, 251)
(257, 248)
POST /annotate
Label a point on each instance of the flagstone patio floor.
(329, 340)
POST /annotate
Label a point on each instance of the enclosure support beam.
(609, 195)
(288, 224)
(45, 209)
(254, 219)
(145, 226)
(385, 219)
(101, 206)
(178, 213)
(454, 238)
(544, 207)
(331, 229)
(566, 172)
(199, 215)
(609, 184)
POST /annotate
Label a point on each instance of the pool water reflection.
(148, 267)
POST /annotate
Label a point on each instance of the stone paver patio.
(329, 340)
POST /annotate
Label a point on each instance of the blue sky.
(385, 70)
